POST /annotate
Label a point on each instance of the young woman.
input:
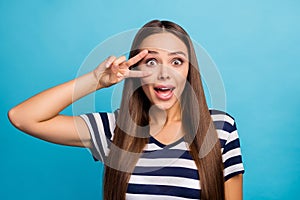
(163, 142)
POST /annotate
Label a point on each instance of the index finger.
(136, 58)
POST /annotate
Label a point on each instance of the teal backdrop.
(255, 45)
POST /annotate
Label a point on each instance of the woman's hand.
(114, 70)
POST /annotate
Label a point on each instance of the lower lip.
(163, 96)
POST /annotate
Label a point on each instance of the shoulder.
(101, 122)
(104, 117)
(221, 116)
(230, 144)
(222, 120)
(225, 126)
(101, 126)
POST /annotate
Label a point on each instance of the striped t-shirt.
(167, 171)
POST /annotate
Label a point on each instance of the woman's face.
(167, 59)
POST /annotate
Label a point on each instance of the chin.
(163, 106)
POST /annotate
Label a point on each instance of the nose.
(163, 73)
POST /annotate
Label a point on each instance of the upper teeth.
(163, 89)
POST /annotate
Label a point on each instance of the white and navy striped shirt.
(167, 171)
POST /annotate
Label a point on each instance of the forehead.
(164, 41)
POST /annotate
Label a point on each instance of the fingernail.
(145, 51)
(107, 64)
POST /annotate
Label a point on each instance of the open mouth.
(164, 92)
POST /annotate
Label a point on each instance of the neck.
(165, 125)
(165, 117)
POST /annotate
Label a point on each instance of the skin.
(167, 59)
(168, 62)
(40, 116)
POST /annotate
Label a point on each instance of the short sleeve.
(101, 127)
(230, 144)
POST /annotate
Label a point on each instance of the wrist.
(96, 79)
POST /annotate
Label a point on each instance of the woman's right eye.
(151, 62)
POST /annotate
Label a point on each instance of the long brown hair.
(197, 124)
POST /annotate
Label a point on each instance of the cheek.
(146, 90)
(184, 75)
(181, 75)
(149, 79)
(146, 82)
(186, 71)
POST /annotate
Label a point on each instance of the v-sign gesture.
(114, 70)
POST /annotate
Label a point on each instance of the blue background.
(255, 45)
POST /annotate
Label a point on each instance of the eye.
(151, 62)
(177, 61)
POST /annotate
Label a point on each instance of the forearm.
(51, 102)
(234, 188)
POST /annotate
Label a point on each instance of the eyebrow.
(171, 53)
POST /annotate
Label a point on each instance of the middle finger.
(136, 58)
